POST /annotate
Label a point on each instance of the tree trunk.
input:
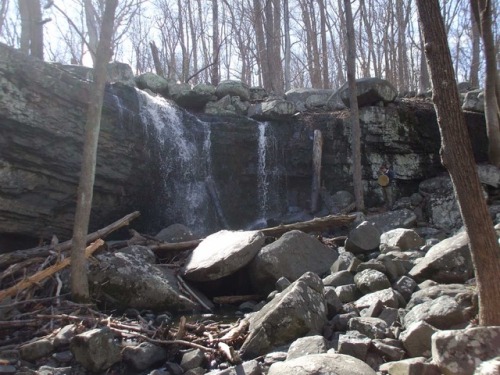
(482, 13)
(458, 158)
(288, 45)
(215, 75)
(353, 104)
(31, 27)
(92, 21)
(474, 65)
(156, 59)
(324, 46)
(79, 279)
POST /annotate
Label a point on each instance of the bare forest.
(276, 44)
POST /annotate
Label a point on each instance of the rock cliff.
(251, 170)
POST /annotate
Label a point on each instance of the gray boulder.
(307, 345)
(144, 355)
(278, 109)
(449, 261)
(305, 98)
(175, 233)
(128, 278)
(370, 92)
(489, 175)
(459, 352)
(96, 349)
(363, 239)
(443, 313)
(193, 98)
(491, 367)
(36, 349)
(339, 278)
(290, 256)
(328, 364)
(343, 262)
(374, 328)
(417, 339)
(221, 254)
(431, 292)
(355, 344)
(298, 311)
(441, 206)
(474, 101)
(233, 88)
(153, 82)
(410, 366)
(387, 296)
(248, 368)
(405, 239)
(370, 280)
(389, 220)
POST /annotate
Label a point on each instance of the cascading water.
(185, 163)
(268, 176)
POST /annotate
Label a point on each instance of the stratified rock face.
(42, 119)
(253, 171)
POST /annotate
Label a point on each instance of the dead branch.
(318, 224)
(44, 251)
(36, 278)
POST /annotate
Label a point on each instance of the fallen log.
(231, 300)
(37, 277)
(43, 251)
(318, 224)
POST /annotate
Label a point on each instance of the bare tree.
(215, 74)
(458, 158)
(31, 27)
(354, 110)
(474, 64)
(79, 279)
(482, 13)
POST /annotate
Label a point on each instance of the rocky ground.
(387, 301)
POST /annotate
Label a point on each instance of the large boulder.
(459, 352)
(194, 98)
(153, 82)
(233, 88)
(221, 254)
(449, 261)
(129, 278)
(306, 98)
(363, 239)
(370, 92)
(290, 256)
(443, 313)
(474, 101)
(278, 109)
(441, 206)
(389, 220)
(328, 364)
(298, 311)
(405, 239)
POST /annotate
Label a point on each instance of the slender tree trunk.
(156, 59)
(474, 65)
(79, 279)
(92, 21)
(215, 75)
(458, 158)
(324, 46)
(288, 45)
(353, 104)
(482, 12)
(194, 43)
(31, 27)
(261, 45)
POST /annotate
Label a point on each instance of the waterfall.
(268, 173)
(185, 163)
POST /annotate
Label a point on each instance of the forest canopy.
(276, 44)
